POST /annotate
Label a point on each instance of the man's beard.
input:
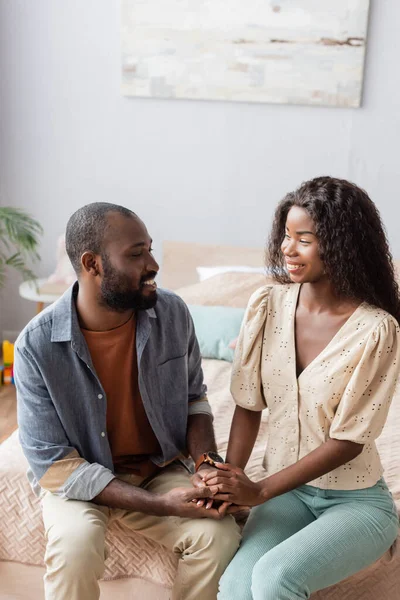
(117, 294)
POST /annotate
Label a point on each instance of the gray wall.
(201, 171)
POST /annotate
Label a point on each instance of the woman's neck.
(320, 296)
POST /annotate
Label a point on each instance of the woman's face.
(300, 247)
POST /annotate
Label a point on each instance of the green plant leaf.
(19, 240)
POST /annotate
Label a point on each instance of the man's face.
(128, 266)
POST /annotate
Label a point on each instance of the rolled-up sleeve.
(364, 406)
(55, 464)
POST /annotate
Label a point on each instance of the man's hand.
(179, 503)
(198, 482)
(239, 513)
(234, 486)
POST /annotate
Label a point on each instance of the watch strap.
(201, 460)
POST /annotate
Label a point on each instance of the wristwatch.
(209, 458)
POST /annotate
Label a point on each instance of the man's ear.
(91, 263)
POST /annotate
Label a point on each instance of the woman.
(323, 354)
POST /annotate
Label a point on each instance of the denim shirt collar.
(66, 328)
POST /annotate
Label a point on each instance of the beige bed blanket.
(132, 555)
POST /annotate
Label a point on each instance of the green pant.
(309, 539)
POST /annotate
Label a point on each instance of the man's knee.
(220, 538)
(76, 549)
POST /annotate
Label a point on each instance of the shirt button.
(293, 449)
(100, 396)
(103, 434)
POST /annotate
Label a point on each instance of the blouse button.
(100, 396)
(103, 434)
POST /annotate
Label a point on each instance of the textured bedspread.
(132, 555)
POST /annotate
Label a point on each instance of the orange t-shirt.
(129, 432)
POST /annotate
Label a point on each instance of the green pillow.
(216, 328)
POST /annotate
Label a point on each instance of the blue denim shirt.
(62, 404)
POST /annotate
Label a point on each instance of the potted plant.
(19, 240)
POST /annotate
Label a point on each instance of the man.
(110, 399)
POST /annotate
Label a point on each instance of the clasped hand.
(234, 486)
(231, 488)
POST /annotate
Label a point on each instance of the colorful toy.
(8, 360)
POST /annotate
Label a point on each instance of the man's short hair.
(86, 229)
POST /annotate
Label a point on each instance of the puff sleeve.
(246, 384)
(363, 408)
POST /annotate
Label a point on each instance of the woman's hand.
(234, 486)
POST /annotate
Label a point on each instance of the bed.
(137, 567)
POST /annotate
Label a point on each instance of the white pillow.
(207, 272)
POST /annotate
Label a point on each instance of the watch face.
(215, 457)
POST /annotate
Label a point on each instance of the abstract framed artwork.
(278, 51)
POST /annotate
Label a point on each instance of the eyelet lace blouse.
(344, 393)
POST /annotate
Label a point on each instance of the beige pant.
(75, 533)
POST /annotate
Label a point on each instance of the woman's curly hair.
(351, 238)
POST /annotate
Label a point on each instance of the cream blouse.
(344, 393)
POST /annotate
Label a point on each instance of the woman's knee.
(263, 582)
(235, 583)
(275, 581)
